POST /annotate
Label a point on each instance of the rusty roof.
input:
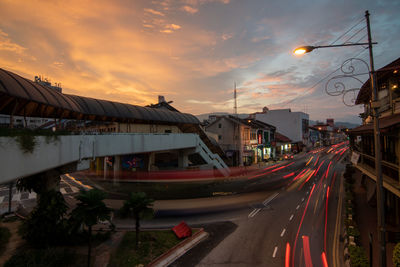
(22, 97)
(282, 138)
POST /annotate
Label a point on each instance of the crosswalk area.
(68, 186)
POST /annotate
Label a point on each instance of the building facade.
(362, 138)
(294, 125)
(245, 141)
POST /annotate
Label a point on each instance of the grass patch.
(152, 245)
(4, 238)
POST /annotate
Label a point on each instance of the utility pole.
(378, 171)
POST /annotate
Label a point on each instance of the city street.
(294, 223)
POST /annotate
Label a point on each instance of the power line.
(337, 39)
(320, 81)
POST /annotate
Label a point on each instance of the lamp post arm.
(340, 45)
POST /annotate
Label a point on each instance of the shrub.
(396, 255)
(4, 237)
(353, 231)
(42, 257)
(45, 225)
(358, 257)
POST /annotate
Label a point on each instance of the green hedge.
(42, 257)
(396, 255)
(358, 257)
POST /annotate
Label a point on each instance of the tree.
(45, 225)
(137, 206)
(89, 211)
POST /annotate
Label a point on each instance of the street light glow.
(300, 51)
(303, 49)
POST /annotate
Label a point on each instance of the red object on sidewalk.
(182, 230)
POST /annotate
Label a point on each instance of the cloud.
(6, 44)
(154, 12)
(190, 9)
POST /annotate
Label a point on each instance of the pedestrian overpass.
(77, 151)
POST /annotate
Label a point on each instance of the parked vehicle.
(288, 156)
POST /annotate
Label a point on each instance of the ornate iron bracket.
(335, 86)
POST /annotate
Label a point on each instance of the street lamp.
(375, 107)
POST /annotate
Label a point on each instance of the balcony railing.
(388, 169)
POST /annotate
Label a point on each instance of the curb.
(174, 253)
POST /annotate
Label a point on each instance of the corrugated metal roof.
(20, 96)
(384, 123)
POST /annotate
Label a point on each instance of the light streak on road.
(287, 255)
(301, 222)
(270, 171)
(305, 181)
(308, 162)
(320, 166)
(288, 175)
(326, 217)
(307, 253)
(324, 261)
(327, 170)
(316, 162)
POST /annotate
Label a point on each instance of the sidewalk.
(366, 218)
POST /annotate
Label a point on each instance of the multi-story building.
(244, 141)
(294, 125)
(362, 138)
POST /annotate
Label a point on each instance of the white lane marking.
(302, 199)
(1, 199)
(275, 250)
(307, 193)
(298, 206)
(74, 189)
(16, 197)
(62, 190)
(253, 213)
(265, 203)
(291, 217)
(283, 232)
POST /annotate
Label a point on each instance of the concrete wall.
(286, 122)
(14, 163)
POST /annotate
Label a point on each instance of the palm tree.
(90, 210)
(138, 205)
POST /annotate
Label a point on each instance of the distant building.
(294, 125)
(244, 141)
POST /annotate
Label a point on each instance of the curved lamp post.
(375, 106)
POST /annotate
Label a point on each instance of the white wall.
(286, 122)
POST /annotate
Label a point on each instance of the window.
(219, 125)
(168, 131)
(219, 137)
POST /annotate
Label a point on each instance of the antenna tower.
(235, 96)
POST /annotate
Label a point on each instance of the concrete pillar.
(396, 207)
(105, 168)
(183, 160)
(98, 166)
(151, 161)
(117, 168)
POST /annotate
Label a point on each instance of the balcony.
(390, 172)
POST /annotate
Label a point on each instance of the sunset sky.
(192, 51)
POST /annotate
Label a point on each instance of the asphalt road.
(295, 224)
(285, 216)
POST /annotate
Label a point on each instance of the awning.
(384, 123)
